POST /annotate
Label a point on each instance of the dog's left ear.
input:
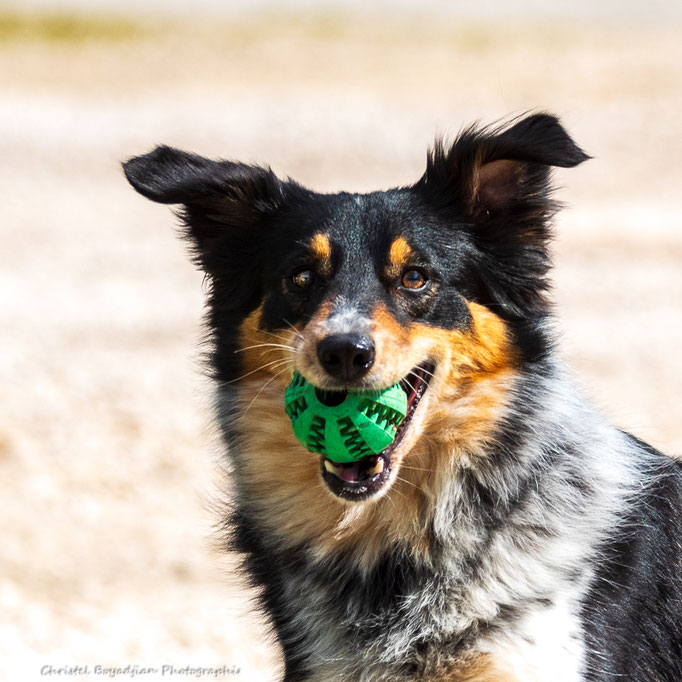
(495, 183)
(488, 172)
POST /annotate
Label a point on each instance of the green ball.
(344, 426)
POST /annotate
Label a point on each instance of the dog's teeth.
(353, 471)
(331, 467)
(377, 468)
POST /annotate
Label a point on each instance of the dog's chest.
(545, 645)
(408, 623)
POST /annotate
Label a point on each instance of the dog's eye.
(413, 279)
(303, 278)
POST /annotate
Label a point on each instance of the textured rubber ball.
(344, 426)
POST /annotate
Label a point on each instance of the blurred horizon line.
(616, 11)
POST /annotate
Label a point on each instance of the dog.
(509, 533)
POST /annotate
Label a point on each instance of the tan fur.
(472, 667)
(400, 254)
(477, 668)
(473, 353)
(261, 353)
(284, 474)
(321, 249)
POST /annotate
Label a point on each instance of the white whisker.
(406, 466)
(258, 369)
(300, 336)
(414, 485)
(264, 345)
(262, 388)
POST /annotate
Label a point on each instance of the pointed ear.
(495, 184)
(224, 202)
(489, 171)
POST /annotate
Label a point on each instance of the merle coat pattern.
(514, 534)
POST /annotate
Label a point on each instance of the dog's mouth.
(359, 480)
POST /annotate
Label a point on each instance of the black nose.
(346, 357)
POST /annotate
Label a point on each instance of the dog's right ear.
(224, 203)
(171, 176)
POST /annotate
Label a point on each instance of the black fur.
(634, 610)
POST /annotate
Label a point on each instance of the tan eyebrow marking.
(399, 255)
(321, 247)
(322, 251)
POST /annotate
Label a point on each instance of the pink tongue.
(349, 473)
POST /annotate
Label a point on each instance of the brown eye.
(413, 279)
(303, 278)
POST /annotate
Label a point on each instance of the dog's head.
(439, 286)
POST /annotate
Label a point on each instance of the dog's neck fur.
(501, 536)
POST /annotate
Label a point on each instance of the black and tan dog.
(509, 533)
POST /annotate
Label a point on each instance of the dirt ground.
(109, 464)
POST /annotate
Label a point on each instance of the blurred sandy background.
(108, 463)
